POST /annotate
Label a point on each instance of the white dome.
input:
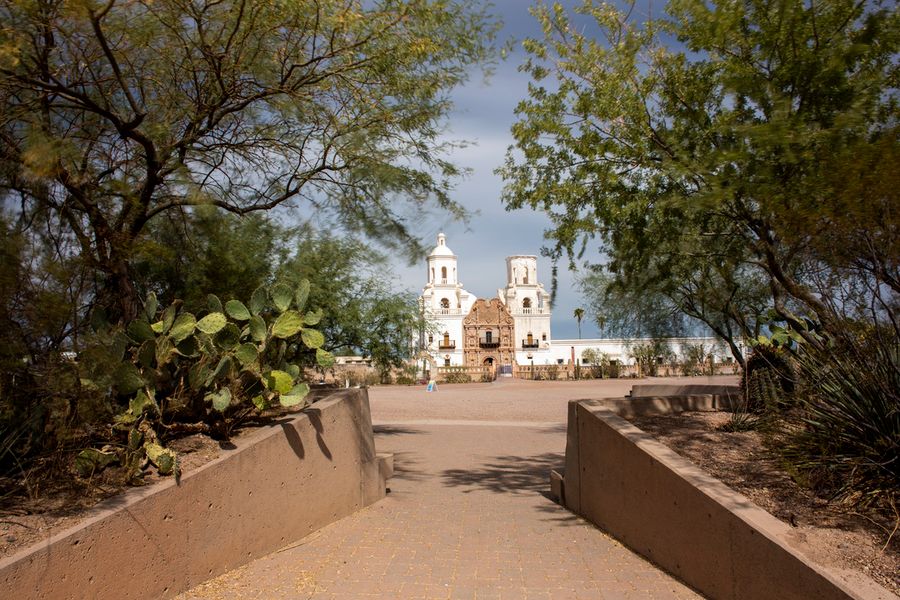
(441, 249)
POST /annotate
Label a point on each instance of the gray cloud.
(484, 114)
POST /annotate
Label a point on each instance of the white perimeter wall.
(617, 349)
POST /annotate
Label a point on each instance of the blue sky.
(484, 114)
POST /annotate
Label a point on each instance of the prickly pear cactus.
(206, 366)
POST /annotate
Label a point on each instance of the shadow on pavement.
(408, 468)
(508, 474)
(395, 430)
(553, 429)
(518, 475)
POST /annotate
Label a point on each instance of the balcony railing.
(447, 311)
(450, 345)
(532, 344)
(489, 343)
(531, 311)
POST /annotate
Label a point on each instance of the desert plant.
(844, 439)
(552, 372)
(173, 367)
(697, 360)
(768, 380)
(648, 356)
(455, 376)
(741, 419)
(600, 361)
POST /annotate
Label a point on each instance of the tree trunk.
(119, 296)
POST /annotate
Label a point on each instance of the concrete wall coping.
(643, 390)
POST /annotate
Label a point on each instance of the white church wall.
(438, 346)
(522, 283)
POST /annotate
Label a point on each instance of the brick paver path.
(467, 516)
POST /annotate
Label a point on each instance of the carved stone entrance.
(488, 335)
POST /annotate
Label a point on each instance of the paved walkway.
(467, 516)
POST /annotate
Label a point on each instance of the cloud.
(484, 113)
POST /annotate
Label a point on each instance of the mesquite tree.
(720, 145)
(114, 112)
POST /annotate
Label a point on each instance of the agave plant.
(845, 438)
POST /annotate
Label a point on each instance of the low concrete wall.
(689, 523)
(645, 390)
(280, 484)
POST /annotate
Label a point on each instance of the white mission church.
(514, 327)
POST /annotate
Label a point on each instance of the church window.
(446, 362)
(544, 337)
(487, 336)
(530, 338)
(525, 277)
(430, 339)
(526, 303)
(444, 274)
(446, 339)
(445, 303)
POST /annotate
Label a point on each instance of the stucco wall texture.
(276, 486)
(690, 524)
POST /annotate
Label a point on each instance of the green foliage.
(648, 356)
(134, 128)
(579, 315)
(600, 361)
(359, 312)
(789, 331)
(741, 420)
(697, 360)
(844, 436)
(717, 173)
(211, 369)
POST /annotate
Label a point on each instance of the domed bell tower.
(442, 264)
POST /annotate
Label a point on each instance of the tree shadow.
(520, 476)
(407, 467)
(395, 430)
(555, 429)
(508, 474)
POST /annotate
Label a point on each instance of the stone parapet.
(276, 486)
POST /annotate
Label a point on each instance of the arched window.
(446, 339)
(444, 274)
(544, 337)
(445, 303)
(525, 276)
(526, 303)
(530, 338)
(432, 274)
